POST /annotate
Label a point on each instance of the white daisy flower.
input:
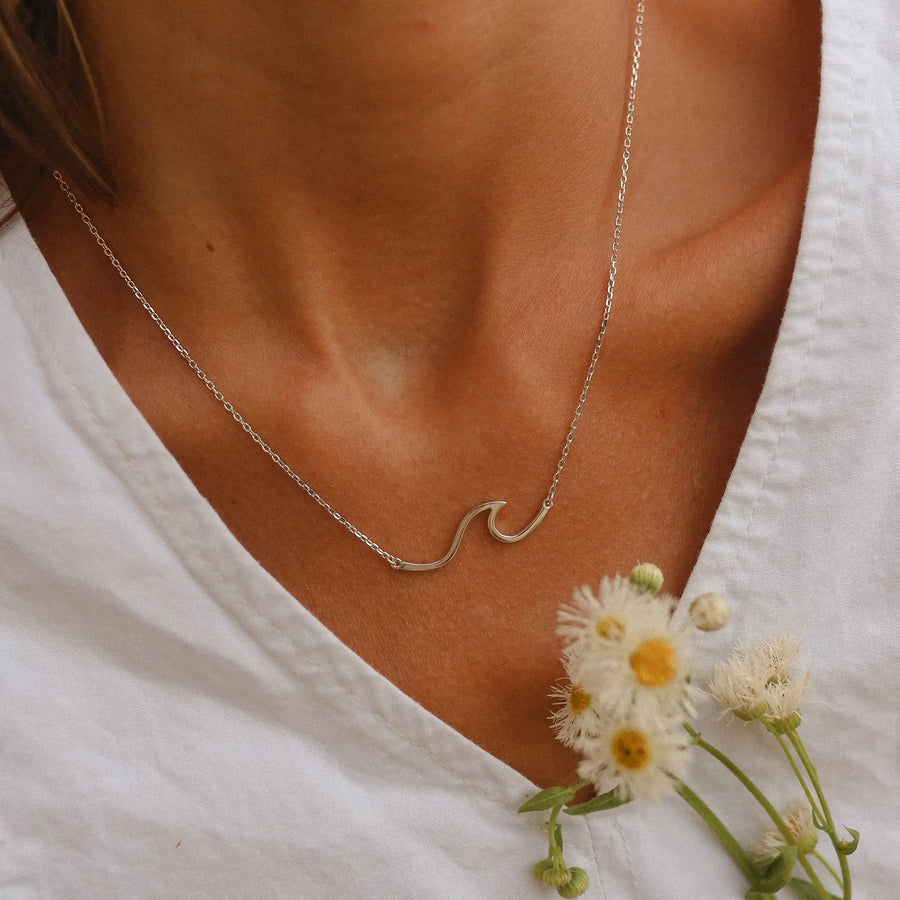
(756, 682)
(799, 820)
(575, 715)
(593, 621)
(626, 652)
(640, 760)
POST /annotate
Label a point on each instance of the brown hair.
(50, 114)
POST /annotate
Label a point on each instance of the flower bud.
(646, 578)
(710, 612)
(551, 872)
(576, 885)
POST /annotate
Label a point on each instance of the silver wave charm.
(494, 506)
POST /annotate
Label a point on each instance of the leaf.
(806, 890)
(847, 847)
(778, 873)
(758, 895)
(609, 800)
(547, 799)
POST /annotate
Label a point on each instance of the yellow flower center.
(630, 750)
(579, 699)
(610, 628)
(653, 663)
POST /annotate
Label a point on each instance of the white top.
(174, 724)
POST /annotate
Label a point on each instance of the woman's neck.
(374, 170)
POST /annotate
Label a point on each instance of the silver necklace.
(492, 507)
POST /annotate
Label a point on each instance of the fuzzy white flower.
(756, 682)
(626, 652)
(778, 654)
(637, 757)
(799, 820)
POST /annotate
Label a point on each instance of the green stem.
(828, 866)
(763, 801)
(813, 876)
(818, 819)
(745, 780)
(716, 825)
(797, 743)
(554, 850)
(794, 738)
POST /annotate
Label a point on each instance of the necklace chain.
(491, 507)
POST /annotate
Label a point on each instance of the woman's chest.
(474, 642)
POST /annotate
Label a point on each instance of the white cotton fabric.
(174, 724)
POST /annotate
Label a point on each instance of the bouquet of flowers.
(627, 706)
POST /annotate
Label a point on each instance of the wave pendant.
(494, 507)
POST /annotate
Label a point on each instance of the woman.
(383, 230)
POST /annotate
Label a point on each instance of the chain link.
(395, 561)
(614, 256)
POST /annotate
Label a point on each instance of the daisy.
(799, 820)
(638, 757)
(595, 620)
(575, 714)
(626, 652)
